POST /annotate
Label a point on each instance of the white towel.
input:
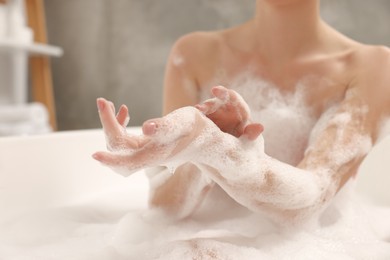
(25, 119)
(3, 24)
(35, 112)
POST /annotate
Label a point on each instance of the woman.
(337, 89)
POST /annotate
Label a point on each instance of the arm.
(179, 194)
(240, 166)
(340, 141)
(182, 192)
(264, 184)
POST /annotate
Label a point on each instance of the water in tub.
(103, 228)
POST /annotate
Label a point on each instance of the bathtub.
(57, 171)
(42, 171)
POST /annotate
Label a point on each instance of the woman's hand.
(162, 138)
(169, 139)
(114, 127)
(230, 113)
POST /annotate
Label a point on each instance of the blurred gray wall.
(118, 48)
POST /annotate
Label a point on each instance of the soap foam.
(221, 228)
(277, 111)
(223, 231)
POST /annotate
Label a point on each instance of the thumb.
(252, 131)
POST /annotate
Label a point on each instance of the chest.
(288, 116)
(287, 98)
(319, 80)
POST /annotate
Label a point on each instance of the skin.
(355, 73)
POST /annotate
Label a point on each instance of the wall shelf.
(32, 48)
(24, 48)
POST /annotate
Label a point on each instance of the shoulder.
(372, 60)
(191, 60)
(198, 40)
(196, 54)
(196, 46)
(375, 50)
(208, 44)
(371, 82)
(372, 74)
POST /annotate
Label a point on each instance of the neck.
(288, 29)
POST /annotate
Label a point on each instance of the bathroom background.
(118, 49)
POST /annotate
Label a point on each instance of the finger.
(157, 126)
(209, 106)
(123, 116)
(201, 108)
(118, 159)
(221, 93)
(109, 159)
(115, 162)
(112, 106)
(252, 131)
(150, 127)
(136, 142)
(107, 117)
(125, 162)
(231, 97)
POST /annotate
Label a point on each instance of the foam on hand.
(174, 125)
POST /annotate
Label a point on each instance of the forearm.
(259, 182)
(274, 185)
(179, 193)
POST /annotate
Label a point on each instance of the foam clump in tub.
(345, 231)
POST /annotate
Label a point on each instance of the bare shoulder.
(370, 85)
(377, 50)
(196, 46)
(372, 75)
(198, 41)
(191, 61)
(373, 60)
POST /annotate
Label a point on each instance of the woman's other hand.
(230, 113)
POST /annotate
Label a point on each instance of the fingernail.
(100, 104)
(149, 128)
(201, 108)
